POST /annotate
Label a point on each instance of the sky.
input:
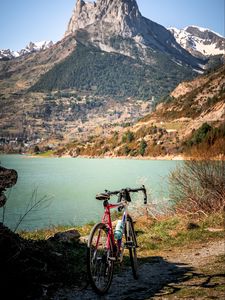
(22, 21)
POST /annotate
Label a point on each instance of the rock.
(121, 14)
(68, 236)
(191, 226)
(2, 199)
(8, 178)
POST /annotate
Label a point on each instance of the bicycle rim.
(99, 265)
(132, 246)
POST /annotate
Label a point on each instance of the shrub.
(198, 187)
(206, 142)
(128, 137)
(200, 134)
(143, 146)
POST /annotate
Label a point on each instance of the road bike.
(106, 246)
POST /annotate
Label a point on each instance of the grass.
(48, 153)
(172, 125)
(166, 233)
(176, 232)
(43, 234)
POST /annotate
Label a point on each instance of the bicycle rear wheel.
(99, 263)
(131, 244)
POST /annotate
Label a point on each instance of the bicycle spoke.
(100, 268)
(131, 244)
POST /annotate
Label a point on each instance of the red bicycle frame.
(108, 222)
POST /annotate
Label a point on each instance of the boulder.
(8, 178)
(69, 236)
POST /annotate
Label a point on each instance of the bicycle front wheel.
(131, 243)
(99, 259)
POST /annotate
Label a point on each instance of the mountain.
(119, 53)
(109, 70)
(30, 48)
(199, 41)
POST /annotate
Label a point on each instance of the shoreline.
(167, 157)
(159, 158)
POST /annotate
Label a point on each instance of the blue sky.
(22, 21)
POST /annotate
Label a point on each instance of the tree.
(36, 149)
(128, 137)
(143, 146)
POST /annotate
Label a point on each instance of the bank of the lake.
(174, 254)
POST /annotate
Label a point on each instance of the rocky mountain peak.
(199, 41)
(123, 14)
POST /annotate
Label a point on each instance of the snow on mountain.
(7, 54)
(199, 41)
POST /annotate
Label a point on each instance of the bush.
(200, 135)
(198, 187)
(207, 141)
(143, 146)
(128, 137)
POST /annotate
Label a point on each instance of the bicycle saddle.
(102, 196)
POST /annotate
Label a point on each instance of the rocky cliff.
(105, 19)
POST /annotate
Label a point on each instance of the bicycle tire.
(132, 246)
(99, 266)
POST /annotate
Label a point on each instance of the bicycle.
(104, 249)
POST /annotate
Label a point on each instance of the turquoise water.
(70, 185)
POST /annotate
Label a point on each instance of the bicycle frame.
(108, 222)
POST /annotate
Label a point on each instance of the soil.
(195, 273)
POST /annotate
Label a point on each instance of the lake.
(70, 186)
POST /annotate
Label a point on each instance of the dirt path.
(191, 274)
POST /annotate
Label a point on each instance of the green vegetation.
(200, 135)
(143, 146)
(175, 231)
(102, 73)
(207, 141)
(128, 137)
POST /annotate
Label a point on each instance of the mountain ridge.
(7, 54)
(200, 42)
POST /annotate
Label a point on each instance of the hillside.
(113, 74)
(18, 74)
(191, 117)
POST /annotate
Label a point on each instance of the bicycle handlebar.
(127, 191)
